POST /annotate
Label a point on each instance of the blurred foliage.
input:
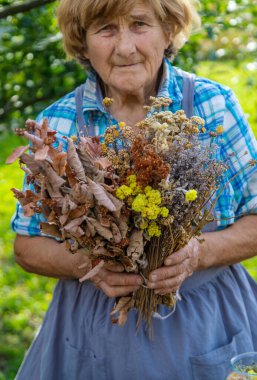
(34, 71)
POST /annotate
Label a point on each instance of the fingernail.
(139, 281)
(150, 285)
(168, 262)
(153, 277)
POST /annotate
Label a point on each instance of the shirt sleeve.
(238, 149)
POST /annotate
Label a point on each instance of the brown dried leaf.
(74, 223)
(16, 154)
(44, 129)
(117, 203)
(116, 233)
(102, 163)
(79, 211)
(93, 272)
(63, 219)
(91, 146)
(81, 194)
(59, 163)
(122, 307)
(36, 141)
(52, 217)
(101, 195)
(32, 125)
(41, 154)
(91, 228)
(122, 223)
(136, 245)
(50, 229)
(29, 209)
(104, 232)
(74, 161)
(54, 182)
(71, 175)
(29, 160)
(75, 232)
(68, 205)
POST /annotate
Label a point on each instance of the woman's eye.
(139, 23)
(107, 28)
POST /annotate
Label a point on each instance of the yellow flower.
(122, 124)
(252, 372)
(219, 129)
(154, 196)
(131, 179)
(148, 189)
(104, 148)
(151, 212)
(154, 230)
(107, 101)
(164, 212)
(139, 202)
(116, 133)
(136, 189)
(191, 195)
(74, 138)
(123, 191)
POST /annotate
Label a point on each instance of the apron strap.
(188, 94)
(79, 92)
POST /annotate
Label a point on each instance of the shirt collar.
(169, 88)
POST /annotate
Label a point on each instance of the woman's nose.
(125, 43)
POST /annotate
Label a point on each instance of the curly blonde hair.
(178, 17)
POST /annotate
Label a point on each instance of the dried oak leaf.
(122, 307)
(136, 245)
(16, 154)
(92, 146)
(116, 233)
(117, 203)
(42, 153)
(102, 231)
(50, 229)
(74, 161)
(59, 163)
(71, 175)
(92, 272)
(81, 194)
(101, 195)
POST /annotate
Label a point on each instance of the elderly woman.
(123, 44)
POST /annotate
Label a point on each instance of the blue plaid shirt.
(215, 103)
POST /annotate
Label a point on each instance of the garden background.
(34, 72)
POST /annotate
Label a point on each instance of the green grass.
(24, 297)
(240, 79)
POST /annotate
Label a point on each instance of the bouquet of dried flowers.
(132, 196)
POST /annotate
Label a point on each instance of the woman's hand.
(114, 283)
(177, 267)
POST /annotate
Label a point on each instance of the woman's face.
(127, 52)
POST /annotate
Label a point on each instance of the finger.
(189, 251)
(120, 279)
(117, 291)
(114, 267)
(177, 257)
(170, 271)
(170, 283)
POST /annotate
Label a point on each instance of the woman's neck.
(129, 107)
